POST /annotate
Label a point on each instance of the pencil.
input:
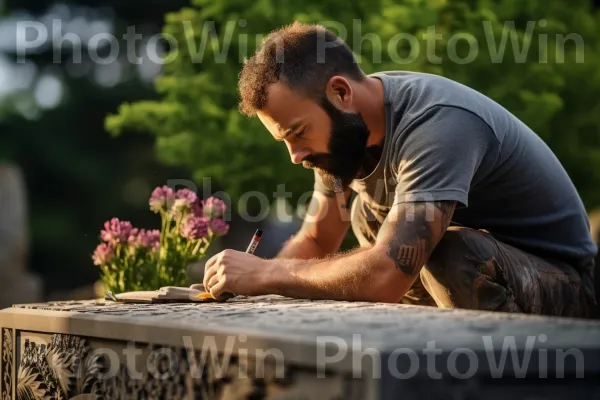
(254, 242)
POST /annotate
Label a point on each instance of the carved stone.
(6, 364)
(16, 284)
(271, 347)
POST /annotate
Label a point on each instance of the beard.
(347, 149)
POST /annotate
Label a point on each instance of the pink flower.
(214, 207)
(149, 239)
(194, 227)
(185, 200)
(161, 199)
(116, 231)
(219, 227)
(103, 254)
(197, 210)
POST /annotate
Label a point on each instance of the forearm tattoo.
(413, 239)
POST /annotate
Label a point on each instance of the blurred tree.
(508, 49)
(77, 176)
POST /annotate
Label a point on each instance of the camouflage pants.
(471, 269)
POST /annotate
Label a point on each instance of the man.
(458, 204)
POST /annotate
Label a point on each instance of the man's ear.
(339, 92)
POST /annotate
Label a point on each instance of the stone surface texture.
(380, 325)
(303, 332)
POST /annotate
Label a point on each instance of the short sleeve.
(439, 155)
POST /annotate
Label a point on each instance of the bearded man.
(458, 204)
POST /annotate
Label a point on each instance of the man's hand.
(235, 272)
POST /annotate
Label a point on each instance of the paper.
(167, 294)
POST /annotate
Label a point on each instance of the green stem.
(208, 242)
(121, 286)
(187, 253)
(163, 249)
(196, 248)
(178, 224)
(126, 280)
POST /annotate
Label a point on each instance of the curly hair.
(304, 56)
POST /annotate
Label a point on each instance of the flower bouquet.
(132, 259)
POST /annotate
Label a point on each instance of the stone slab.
(388, 348)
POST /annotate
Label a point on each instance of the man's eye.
(300, 132)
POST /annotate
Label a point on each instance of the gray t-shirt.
(445, 141)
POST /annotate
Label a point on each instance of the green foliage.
(76, 176)
(197, 124)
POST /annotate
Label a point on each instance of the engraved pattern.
(7, 363)
(382, 326)
(69, 368)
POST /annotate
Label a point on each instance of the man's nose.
(297, 154)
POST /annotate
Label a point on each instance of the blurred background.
(101, 101)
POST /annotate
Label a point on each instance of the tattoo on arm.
(413, 239)
(447, 209)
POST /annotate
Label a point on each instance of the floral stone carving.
(7, 363)
(74, 367)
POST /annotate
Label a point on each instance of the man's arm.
(323, 229)
(383, 272)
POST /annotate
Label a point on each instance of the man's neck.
(372, 157)
(371, 105)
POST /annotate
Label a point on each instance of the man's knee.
(449, 257)
(458, 246)
(462, 272)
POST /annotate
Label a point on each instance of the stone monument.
(17, 285)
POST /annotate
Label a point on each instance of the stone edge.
(295, 350)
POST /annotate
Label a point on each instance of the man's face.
(317, 135)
